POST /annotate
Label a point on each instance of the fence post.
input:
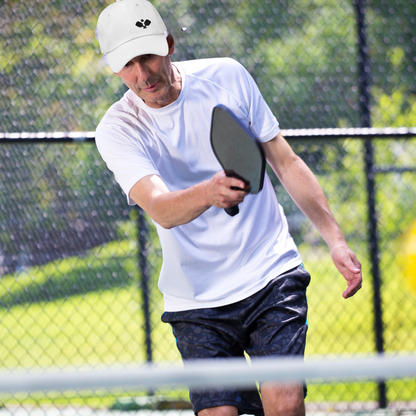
(363, 81)
(143, 233)
(375, 269)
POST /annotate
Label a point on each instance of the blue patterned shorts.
(272, 322)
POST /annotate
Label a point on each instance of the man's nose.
(142, 72)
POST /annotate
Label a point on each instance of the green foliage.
(392, 45)
(396, 190)
(302, 54)
(51, 73)
(395, 110)
(56, 202)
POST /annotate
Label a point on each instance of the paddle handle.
(232, 210)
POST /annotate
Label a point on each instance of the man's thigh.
(278, 320)
(280, 330)
(202, 334)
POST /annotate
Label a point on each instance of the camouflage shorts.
(272, 322)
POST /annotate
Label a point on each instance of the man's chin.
(155, 99)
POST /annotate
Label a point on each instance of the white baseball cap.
(130, 28)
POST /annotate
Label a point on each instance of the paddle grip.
(232, 210)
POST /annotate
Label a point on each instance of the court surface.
(85, 411)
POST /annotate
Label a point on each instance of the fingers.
(354, 286)
(354, 278)
(226, 191)
(231, 174)
(347, 263)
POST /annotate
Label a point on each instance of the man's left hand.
(348, 265)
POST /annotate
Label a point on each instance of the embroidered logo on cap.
(143, 23)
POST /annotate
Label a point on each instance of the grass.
(344, 327)
(88, 311)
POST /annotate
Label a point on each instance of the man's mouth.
(151, 88)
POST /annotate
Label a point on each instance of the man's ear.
(171, 44)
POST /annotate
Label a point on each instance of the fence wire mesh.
(71, 263)
(71, 285)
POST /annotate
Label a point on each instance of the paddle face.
(237, 150)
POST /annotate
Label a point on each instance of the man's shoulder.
(199, 67)
(125, 105)
(123, 113)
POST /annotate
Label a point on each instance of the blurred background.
(79, 267)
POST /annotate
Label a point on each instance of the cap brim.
(151, 44)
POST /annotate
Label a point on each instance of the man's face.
(152, 79)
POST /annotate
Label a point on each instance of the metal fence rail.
(345, 133)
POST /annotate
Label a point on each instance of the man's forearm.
(170, 209)
(304, 189)
(178, 207)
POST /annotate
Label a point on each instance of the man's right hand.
(226, 190)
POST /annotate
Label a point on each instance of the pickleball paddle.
(237, 150)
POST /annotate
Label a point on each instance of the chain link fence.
(79, 267)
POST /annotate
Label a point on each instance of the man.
(230, 284)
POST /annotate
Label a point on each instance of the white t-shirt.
(216, 259)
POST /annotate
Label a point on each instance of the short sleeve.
(118, 142)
